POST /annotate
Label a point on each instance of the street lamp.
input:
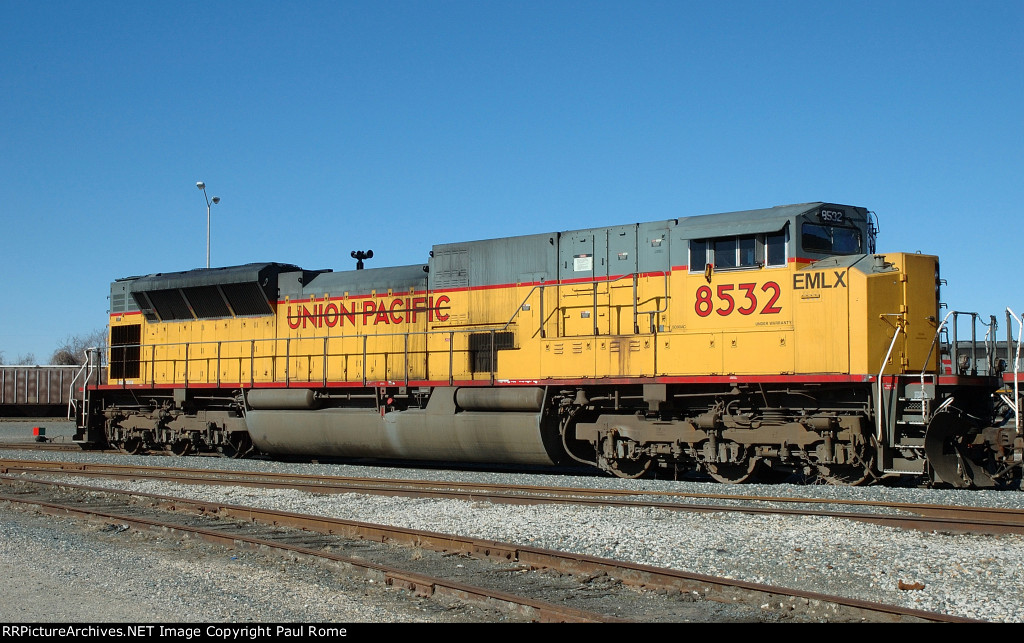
(216, 199)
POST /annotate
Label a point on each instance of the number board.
(828, 215)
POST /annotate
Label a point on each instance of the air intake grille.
(481, 350)
(169, 305)
(246, 299)
(124, 351)
(207, 302)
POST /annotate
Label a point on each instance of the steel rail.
(649, 577)
(417, 583)
(924, 517)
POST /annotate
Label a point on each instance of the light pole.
(216, 199)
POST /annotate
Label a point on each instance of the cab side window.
(775, 249)
(698, 255)
(725, 253)
(739, 252)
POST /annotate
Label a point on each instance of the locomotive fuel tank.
(457, 425)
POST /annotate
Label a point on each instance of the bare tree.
(22, 360)
(72, 350)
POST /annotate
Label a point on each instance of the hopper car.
(741, 346)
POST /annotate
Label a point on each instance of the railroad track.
(516, 579)
(73, 447)
(922, 516)
(50, 445)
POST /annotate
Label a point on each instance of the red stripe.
(694, 379)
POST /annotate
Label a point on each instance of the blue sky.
(391, 125)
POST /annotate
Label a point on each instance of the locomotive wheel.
(134, 446)
(946, 446)
(851, 474)
(772, 473)
(734, 472)
(629, 468)
(845, 475)
(181, 447)
(238, 445)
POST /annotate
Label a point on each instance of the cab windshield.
(831, 240)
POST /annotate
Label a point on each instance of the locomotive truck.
(743, 345)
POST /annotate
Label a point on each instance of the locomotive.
(742, 346)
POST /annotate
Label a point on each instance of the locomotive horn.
(359, 255)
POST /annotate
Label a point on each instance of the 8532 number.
(727, 295)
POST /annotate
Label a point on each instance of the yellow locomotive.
(734, 345)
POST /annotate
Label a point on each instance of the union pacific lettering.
(369, 312)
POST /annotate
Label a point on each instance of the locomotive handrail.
(519, 308)
(158, 353)
(955, 348)
(188, 362)
(652, 313)
(990, 344)
(365, 339)
(1009, 336)
(635, 276)
(451, 357)
(954, 343)
(88, 368)
(636, 313)
(938, 333)
(151, 359)
(1016, 364)
(878, 383)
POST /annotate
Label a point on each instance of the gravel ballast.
(972, 576)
